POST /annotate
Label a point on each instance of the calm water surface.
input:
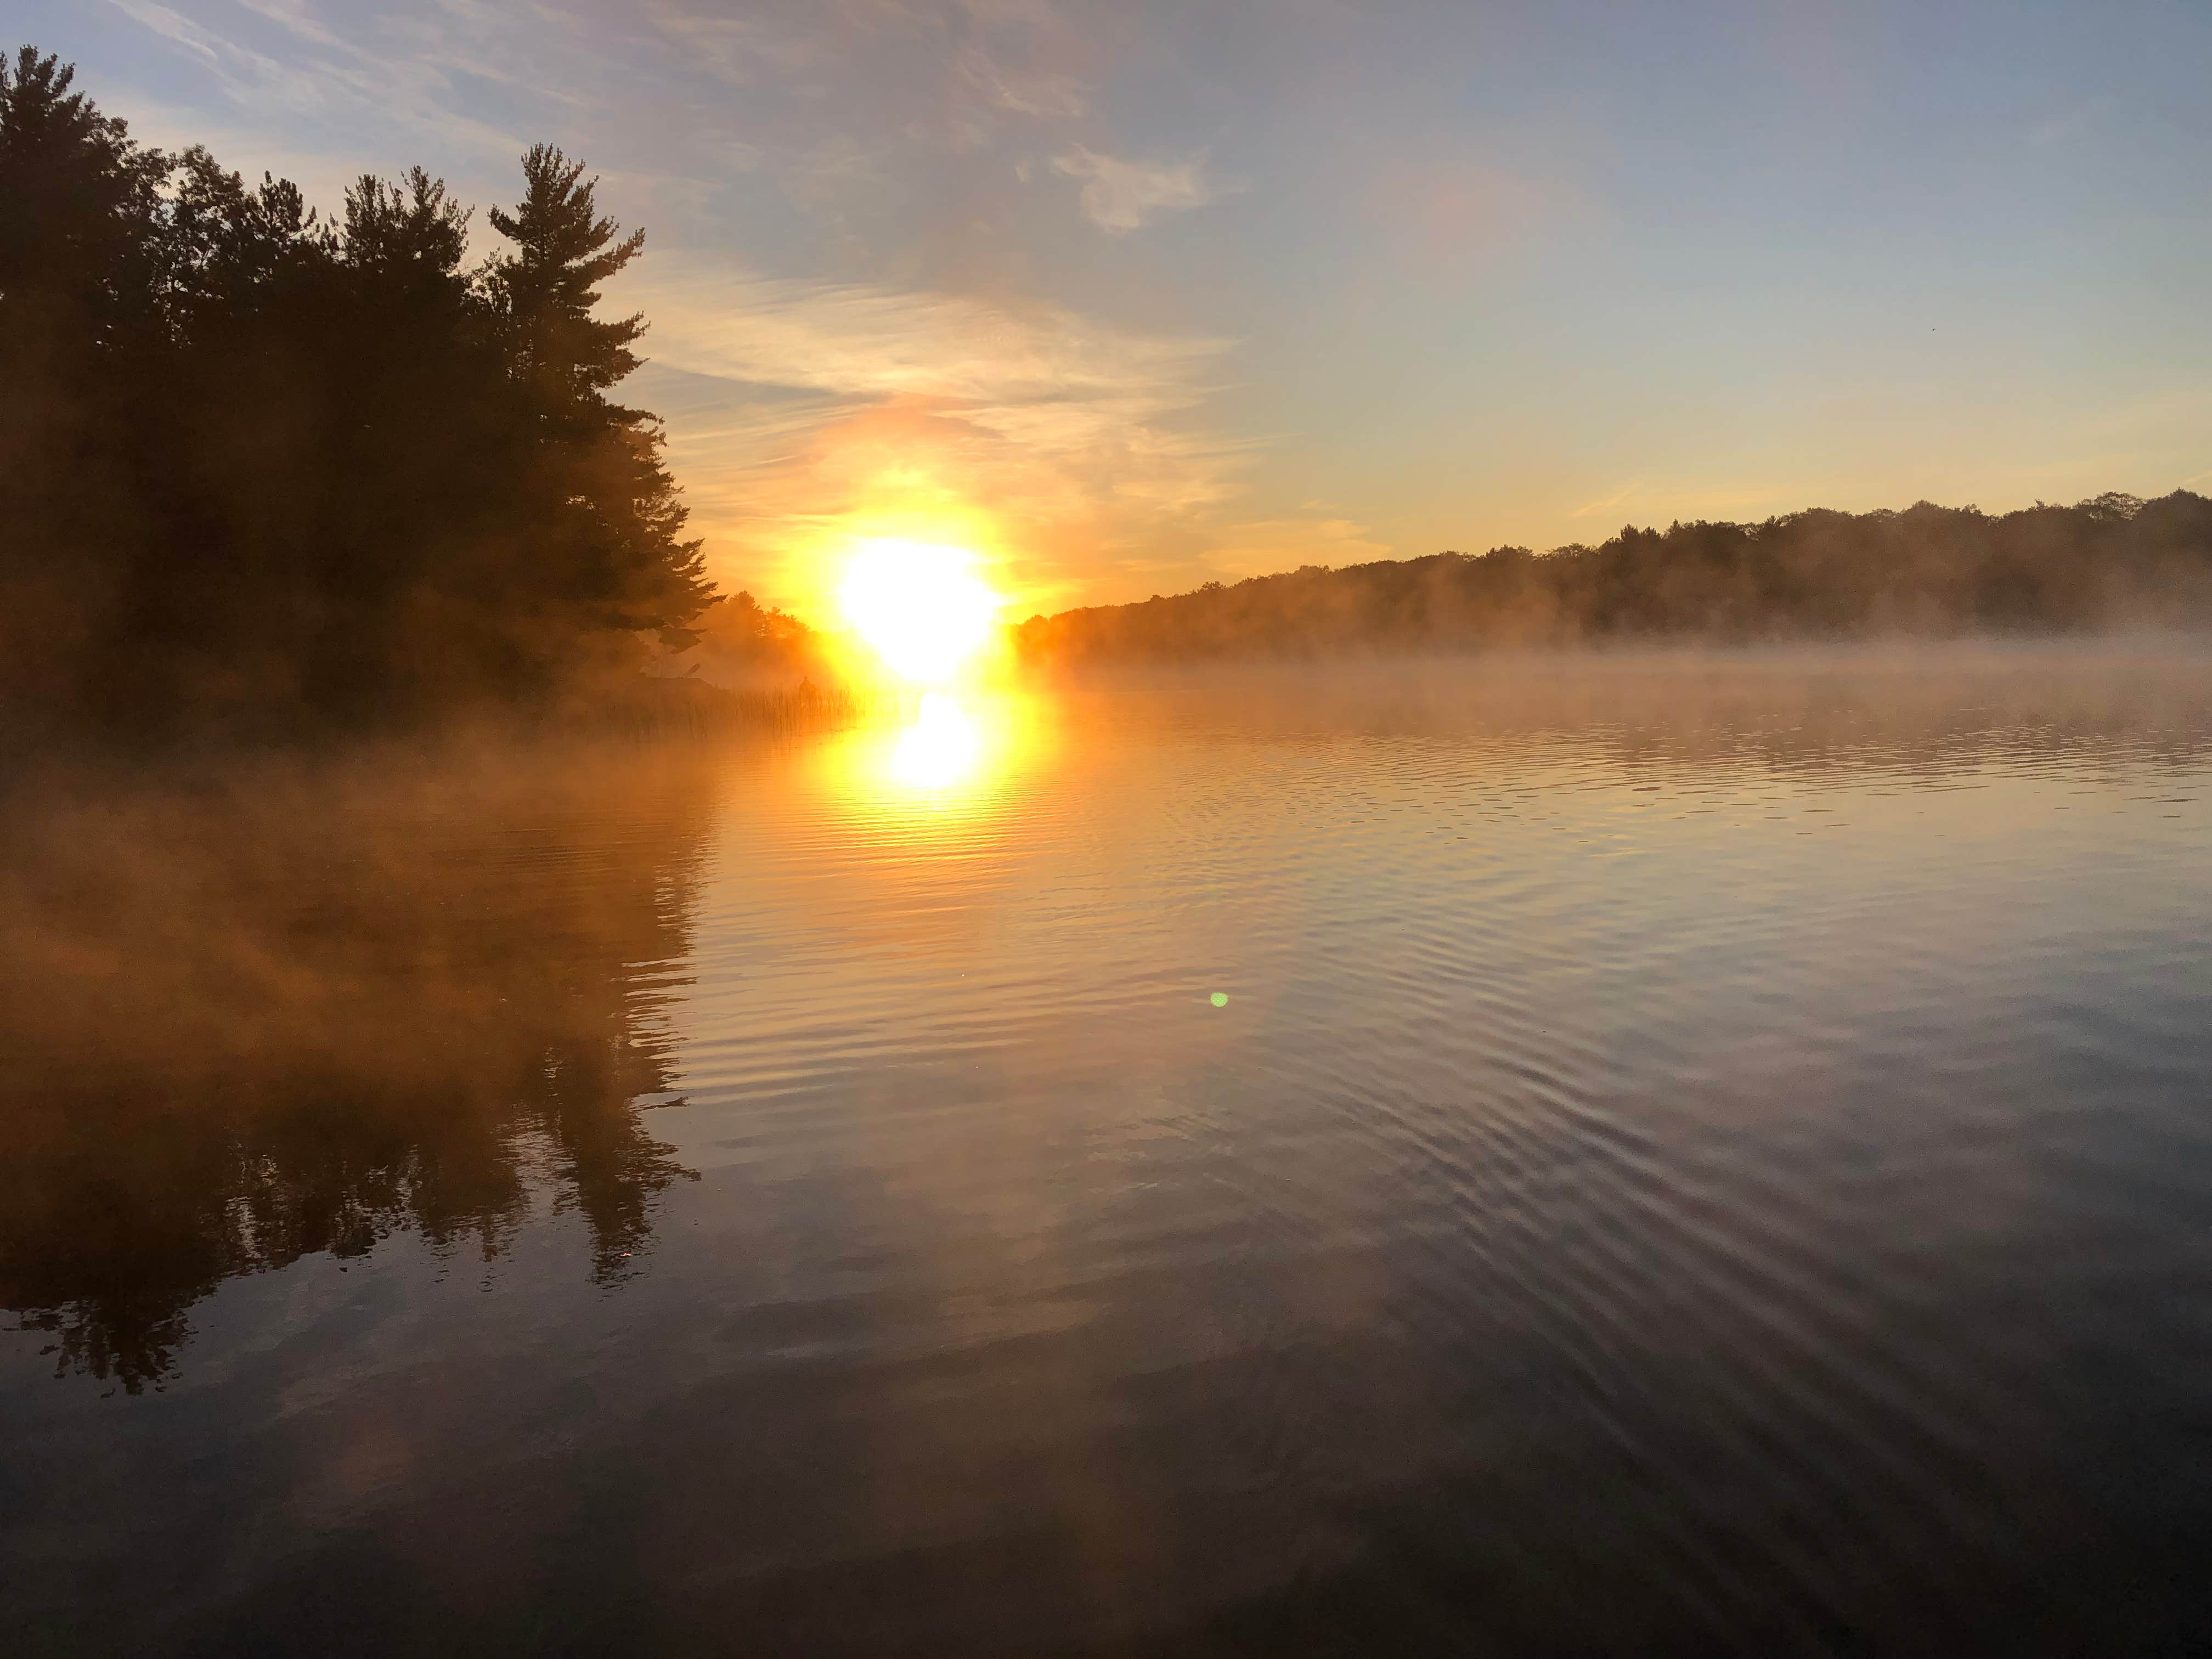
(1696, 1156)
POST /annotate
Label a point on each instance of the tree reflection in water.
(250, 1017)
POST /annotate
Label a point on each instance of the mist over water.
(1699, 1154)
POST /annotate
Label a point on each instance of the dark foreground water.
(1697, 1156)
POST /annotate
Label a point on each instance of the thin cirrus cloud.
(1647, 497)
(868, 340)
(1120, 196)
(302, 72)
(1041, 93)
(814, 404)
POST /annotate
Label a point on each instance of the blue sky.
(1129, 295)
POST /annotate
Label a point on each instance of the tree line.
(2112, 561)
(263, 467)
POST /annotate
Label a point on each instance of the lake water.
(1660, 1154)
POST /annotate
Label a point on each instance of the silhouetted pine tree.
(79, 208)
(608, 533)
(261, 468)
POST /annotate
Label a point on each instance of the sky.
(1130, 296)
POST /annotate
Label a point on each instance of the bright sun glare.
(922, 607)
(940, 749)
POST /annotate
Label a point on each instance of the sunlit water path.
(1696, 1155)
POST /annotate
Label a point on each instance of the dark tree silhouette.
(265, 469)
(613, 544)
(297, 1009)
(546, 288)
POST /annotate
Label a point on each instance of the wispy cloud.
(294, 15)
(326, 74)
(877, 341)
(1676, 501)
(1259, 547)
(172, 26)
(744, 51)
(842, 397)
(1626, 493)
(1119, 196)
(1024, 91)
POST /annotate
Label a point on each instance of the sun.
(920, 606)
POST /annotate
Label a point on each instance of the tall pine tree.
(263, 468)
(80, 212)
(608, 537)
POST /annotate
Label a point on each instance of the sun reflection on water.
(952, 766)
(942, 749)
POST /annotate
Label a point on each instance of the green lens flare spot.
(1221, 999)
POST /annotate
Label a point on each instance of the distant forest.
(2113, 562)
(262, 467)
